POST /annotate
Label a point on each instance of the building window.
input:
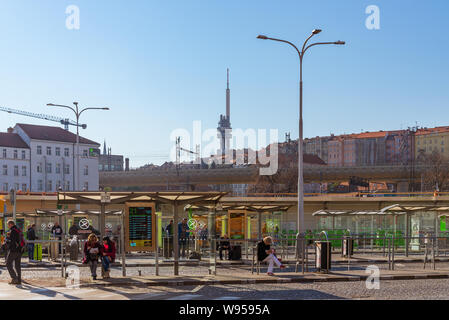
(5, 170)
(67, 186)
(16, 171)
(66, 169)
(24, 171)
(85, 153)
(48, 151)
(58, 185)
(24, 187)
(5, 187)
(16, 154)
(58, 151)
(39, 167)
(86, 170)
(48, 168)
(16, 187)
(86, 186)
(23, 155)
(49, 185)
(39, 150)
(58, 168)
(40, 185)
(4, 153)
(66, 152)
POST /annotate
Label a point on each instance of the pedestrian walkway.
(244, 278)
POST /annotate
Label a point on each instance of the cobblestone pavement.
(407, 289)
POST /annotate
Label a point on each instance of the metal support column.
(156, 252)
(122, 243)
(259, 225)
(212, 247)
(407, 233)
(102, 220)
(175, 240)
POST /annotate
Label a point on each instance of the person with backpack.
(31, 235)
(15, 246)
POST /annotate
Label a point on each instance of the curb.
(267, 281)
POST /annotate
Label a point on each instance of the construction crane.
(65, 122)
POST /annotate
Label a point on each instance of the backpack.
(22, 243)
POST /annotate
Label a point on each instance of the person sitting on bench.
(266, 254)
(224, 245)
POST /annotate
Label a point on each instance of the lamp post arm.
(62, 106)
(288, 42)
(316, 44)
(305, 43)
(90, 109)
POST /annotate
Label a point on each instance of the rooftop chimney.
(127, 164)
(10, 130)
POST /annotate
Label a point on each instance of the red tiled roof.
(12, 140)
(52, 134)
(431, 130)
(312, 159)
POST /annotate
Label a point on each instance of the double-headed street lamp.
(77, 114)
(300, 221)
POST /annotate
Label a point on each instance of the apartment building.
(43, 159)
(14, 162)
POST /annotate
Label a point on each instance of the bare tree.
(436, 174)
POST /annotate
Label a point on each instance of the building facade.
(51, 160)
(109, 162)
(428, 140)
(14, 162)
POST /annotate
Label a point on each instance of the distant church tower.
(224, 125)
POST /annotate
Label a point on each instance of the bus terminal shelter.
(138, 231)
(246, 218)
(409, 222)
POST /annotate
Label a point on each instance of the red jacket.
(110, 250)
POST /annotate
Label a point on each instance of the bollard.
(389, 254)
(392, 254)
(307, 257)
(425, 256)
(433, 253)
(252, 265)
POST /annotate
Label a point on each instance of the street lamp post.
(77, 114)
(300, 220)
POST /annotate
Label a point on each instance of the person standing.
(56, 231)
(183, 230)
(266, 254)
(108, 256)
(14, 244)
(92, 251)
(224, 246)
(168, 240)
(31, 235)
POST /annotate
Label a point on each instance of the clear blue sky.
(159, 65)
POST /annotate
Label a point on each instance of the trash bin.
(347, 247)
(323, 256)
(236, 252)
